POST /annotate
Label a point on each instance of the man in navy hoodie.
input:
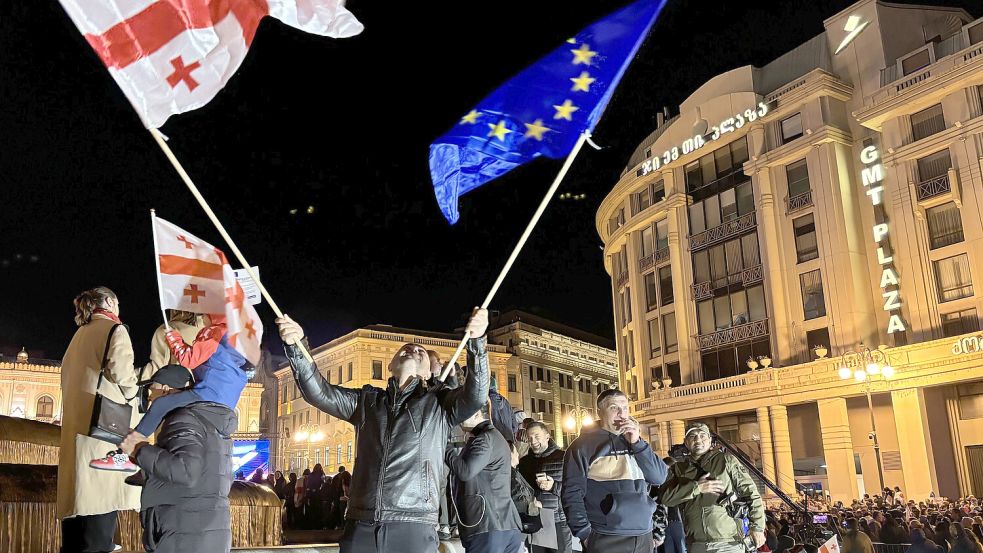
(607, 472)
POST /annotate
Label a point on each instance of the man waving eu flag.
(541, 111)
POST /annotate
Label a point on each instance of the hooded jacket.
(185, 502)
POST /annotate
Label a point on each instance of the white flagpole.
(218, 225)
(160, 286)
(584, 137)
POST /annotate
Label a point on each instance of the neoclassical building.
(793, 258)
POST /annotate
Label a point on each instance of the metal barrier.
(891, 547)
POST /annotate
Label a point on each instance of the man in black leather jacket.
(401, 434)
(545, 458)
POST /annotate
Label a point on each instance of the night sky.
(343, 126)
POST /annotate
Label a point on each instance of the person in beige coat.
(89, 499)
(186, 323)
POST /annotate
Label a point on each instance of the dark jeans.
(497, 541)
(604, 543)
(388, 537)
(160, 407)
(675, 538)
(564, 540)
(88, 534)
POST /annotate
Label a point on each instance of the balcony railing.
(933, 187)
(702, 291)
(622, 279)
(722, 232)
(797, 202)
(751, 275)
(646, 262)
(661, 256)
(733, 334)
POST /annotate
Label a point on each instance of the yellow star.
(535, 129)
(583, 82)
(499, 130)
(563, 111)
(471, 117)
(583, 55)
(571, 41)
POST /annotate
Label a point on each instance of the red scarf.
(109, 314)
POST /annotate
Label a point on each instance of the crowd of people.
(314, 501)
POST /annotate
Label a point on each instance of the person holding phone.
(542, 467)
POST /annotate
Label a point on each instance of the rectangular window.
(662, 235)
(975, 33)
(377, 370)
(798, 178)
(672, 370)
(643, 199)
(647, 241)
(704, 314)
(658, 192)
(669, 333)
(718, 266)
(934, 165)
(738, 308)
(728, 205)
(927, 122)
(723, 161)
(350, 450)
(915, 62)
(953, 278)
(549, 376)
(749, 250)
(791, 128)
(513, 383)
(651, 296)
(735, 261)
(813, 300)
(745, 199)
(945, 226)
(960, 322)
(694, 177)
(806, 245)
(738, 152)
(341, 376)
(540, 377)
(697, 221)
(350, 371)
(701, 266)
(655, 338)
(756, 303)
(711, 207)
(549, 407)
(818, 337)
(627, 304)
(708, 168)
(665, 284)
(721, 312)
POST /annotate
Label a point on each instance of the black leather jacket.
(401, 435)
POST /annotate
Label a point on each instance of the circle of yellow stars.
(582, 55)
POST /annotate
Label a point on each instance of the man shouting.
(401, 434)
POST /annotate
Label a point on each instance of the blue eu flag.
(541, 111)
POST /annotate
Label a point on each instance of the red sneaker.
(114, 460)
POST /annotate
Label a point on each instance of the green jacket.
(704, 520)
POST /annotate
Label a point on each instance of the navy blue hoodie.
(606, 484)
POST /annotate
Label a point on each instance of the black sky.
(344, 126)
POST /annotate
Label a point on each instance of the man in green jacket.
(700, 486)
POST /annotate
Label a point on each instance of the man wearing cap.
(607, 472)
(702, 486)
(184, 506)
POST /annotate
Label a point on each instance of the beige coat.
(160, 353)
(83, 490)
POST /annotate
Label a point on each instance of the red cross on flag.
(173, 56)
(195, 276)
(831, 546)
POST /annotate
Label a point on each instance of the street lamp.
(578, 418)
(869, 363)
(311, 434)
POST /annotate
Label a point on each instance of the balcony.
(933, 187)
(798, 202)
(661, 256)
(646, 262)
(752, 275)
(702, 291)
(733, 334)
(622, 279)
(722, 232)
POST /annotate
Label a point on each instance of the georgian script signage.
(690, 145)
(967, 345)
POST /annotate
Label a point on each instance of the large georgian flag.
(195, 276)
(173, 56)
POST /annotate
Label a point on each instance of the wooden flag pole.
(160, 286)
(584, 137)
(221, 229)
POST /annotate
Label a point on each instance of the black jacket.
(549, 461)
(401, 435)
(484, 490)
(185, 502)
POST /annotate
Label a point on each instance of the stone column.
(914, 443)
(557, 411)
(771, 259)
(664, 442)
(784, 472)
(765, 441)
(841, 469)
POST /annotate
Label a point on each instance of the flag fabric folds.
(832, 545)
(195, 276)
(173, 56)
(541, 111)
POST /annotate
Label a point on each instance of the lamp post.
(310, 434)
(577, 419)
(870, 363)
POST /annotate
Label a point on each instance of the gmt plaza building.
(797, 258)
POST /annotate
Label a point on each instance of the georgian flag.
(831, 546)
(173, 56)
(195, 276)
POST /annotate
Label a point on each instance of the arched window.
(46, 407)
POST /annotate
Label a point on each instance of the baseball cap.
(174, 376)
(696, 427)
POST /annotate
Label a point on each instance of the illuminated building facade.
(798, 223)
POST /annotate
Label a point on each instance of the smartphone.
(541, 476)
(820, 519)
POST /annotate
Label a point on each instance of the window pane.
(738, 151)
(953, 278)
(745, 199)
(806, 246)
(718, 266)
(944, 225)
(659, 192)
(701, 266)
(721, 312)
(643, 199)
(791, 128)
(655, 338)
(665, 285)
(735, 262)
(927, 122)
(708, 168)
(738, 307)
(669, 332)
(704, 311)
(914, 63)
(651, 300)
(798, 178)
(728, 205)
(960, 322)
(661, 235)
(712, 208)
(628, 304)
(818, 337)
(648, 241)
(934, 165)
(813, 301)
(756, 303)
(749, 247)
(697, 223)
(722, 159)
(694, 178)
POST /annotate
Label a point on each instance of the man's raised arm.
(334, 400)
(464, 401)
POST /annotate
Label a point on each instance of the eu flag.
(541, 111)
